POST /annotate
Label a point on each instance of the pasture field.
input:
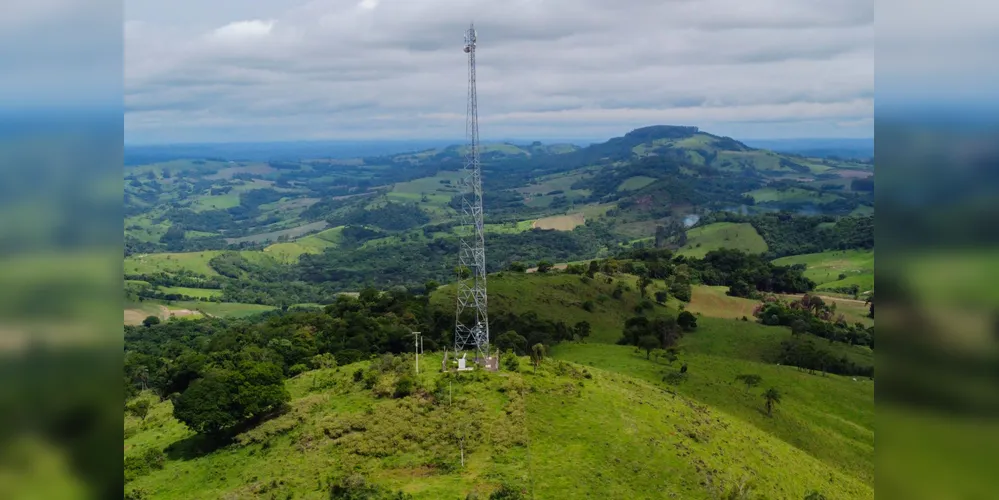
(831, 418)
(291, 233)
(289, 252)
(540, 440)
(216, 202)
(191, 292)
(560, 222)
(557, 182)
(740, 236)
(224, 309)
(196, 262)
(171, 262)
(559, 297)
(791, 195)
(635, 183)
(825, 269)
(712, 301)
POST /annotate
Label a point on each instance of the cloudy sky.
(235, 70)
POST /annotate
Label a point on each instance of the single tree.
(751, 380)
(517, 267)
(815, 495)
(772, 397)
(150, 321)
(662, 296)
(799, 326)
(671, 355)
(683, 369)
(537, 355)
(648, 343)
(687, 321)
(593, 269)
(139, 408)
(544, 266)
(511, 341)
(582, 329)
(643, 285)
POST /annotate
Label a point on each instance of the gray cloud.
(547, 68)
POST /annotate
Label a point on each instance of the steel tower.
(471, 329)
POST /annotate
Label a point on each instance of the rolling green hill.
(739, 236)
(534, 433)
(595, 420)
(837, 269)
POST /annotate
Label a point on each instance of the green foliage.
(139, 408)
(150, 321)
(662, 296)
(517, 267)
(226, 397)
(391, 217)
(142, 463)
(772, 398)
(507, 492)
(512, 341)
(648, 343)
(356, 487)
(751, 380)
(544, 266)
(815, 495)
(687, 321)
(790, 234)
(511, 363)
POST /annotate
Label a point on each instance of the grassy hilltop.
(595, 420)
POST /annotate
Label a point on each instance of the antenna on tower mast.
(471, 329)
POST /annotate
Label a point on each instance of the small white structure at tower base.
(461, 364)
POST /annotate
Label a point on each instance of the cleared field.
(547, 184)
(196, 262)
(507, 227)
(191, 292)
(435, 191)
(637, 182)
(855, 266)
(136, 313)
(225, 309)
(171, 262)
(218, 202)
(293, 232)
(560, 222)
(314, 243)
(829, 418)
(791, 195)
(741, 236)
(712, 301)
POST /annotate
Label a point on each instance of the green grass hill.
(594, 420)
(563, 432)
(741, 236)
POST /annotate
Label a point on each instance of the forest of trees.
(222, 373)
(792, 234)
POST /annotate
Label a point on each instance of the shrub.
(588, 306)
(506, 492)
(297, 369)
(404, 386)
(143, 463)
(511, 363)
(687, 321)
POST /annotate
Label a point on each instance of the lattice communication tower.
(471, 329)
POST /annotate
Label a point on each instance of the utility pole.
(416, 345)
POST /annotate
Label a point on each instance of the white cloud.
(244, 29)
(338, 68)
